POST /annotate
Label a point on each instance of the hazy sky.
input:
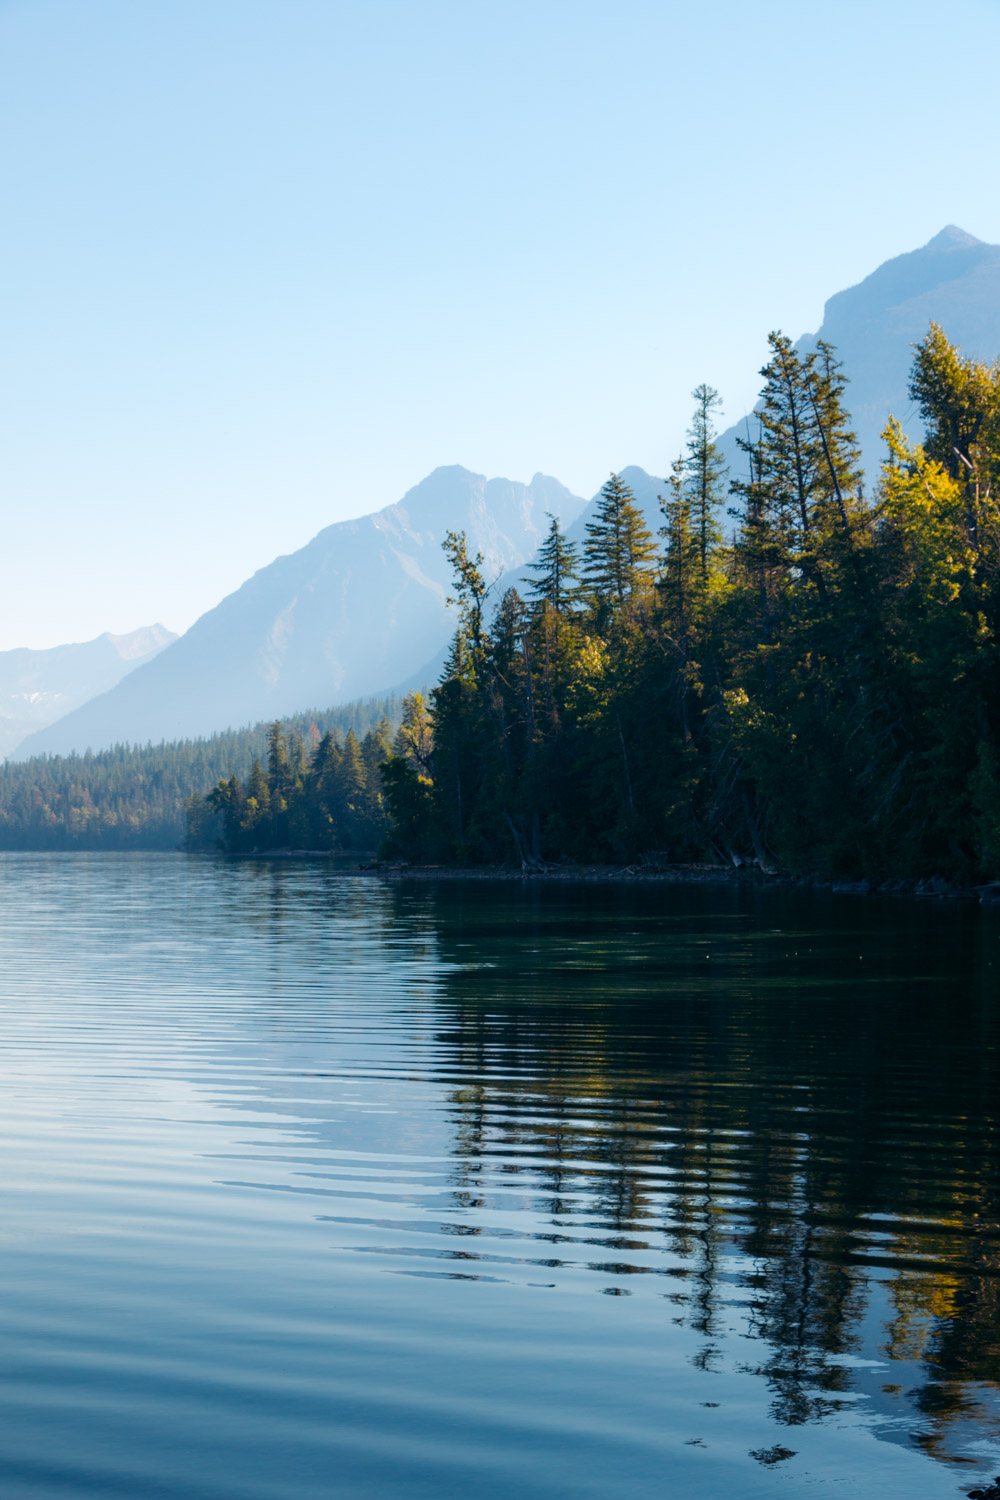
(269, 262)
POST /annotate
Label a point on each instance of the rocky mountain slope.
(953, 280)
(355, 612)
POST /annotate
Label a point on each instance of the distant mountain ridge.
(39, 687)
(135, 797)
(361, 609)
(353, 613)
(953, 280)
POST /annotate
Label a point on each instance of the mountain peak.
(952, 238)
(142, 642)
(356, 610)
(39, 687)
(953, 280)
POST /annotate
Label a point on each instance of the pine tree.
(505, 664)
(806, 477)
(376, 749)
(959, 399)
(139, 797)
(470, 592)
(685, 565)
(227, 798)
(256, 821)
(351, 781)
(279, 780)
(461, 701)
(787, 456)
(200, 826)
(557, 565)
(296, 757)
(322, 792)
(278, 770)
(705, 473)
(955, 396)
(415, 737)
(619, 550)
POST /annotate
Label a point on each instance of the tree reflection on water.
(779, 1100)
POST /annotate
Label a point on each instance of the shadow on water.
(791, 1098)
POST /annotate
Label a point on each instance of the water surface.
(317, 1187)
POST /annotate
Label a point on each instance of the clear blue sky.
(269, 262)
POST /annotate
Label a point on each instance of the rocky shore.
(933, 888)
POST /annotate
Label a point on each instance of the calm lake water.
(315, 1187)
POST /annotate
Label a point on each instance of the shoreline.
(577, 874)
(934, 888)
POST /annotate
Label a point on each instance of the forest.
(328, 799)
(148, 796)
(798, 672)
(812, 687)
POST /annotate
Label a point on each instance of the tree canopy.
(818, 691)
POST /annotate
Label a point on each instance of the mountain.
(38, 687)
(361, 609)
(953, 280)
(358, 610)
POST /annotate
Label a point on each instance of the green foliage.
(702, 475)
(149, 796)
(329, 801)
(408, 798)
(822, 693)
(557, 567)
(957, 398)
(619, 549)
(414, 740)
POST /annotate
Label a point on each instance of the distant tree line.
(138, 796)
(325, 798)
(819, 691)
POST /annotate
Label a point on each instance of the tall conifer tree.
(557, 565)
(705, 473)
(619, 550)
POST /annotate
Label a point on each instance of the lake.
(316, 1186)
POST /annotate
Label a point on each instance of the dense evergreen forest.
(328, 798)
(812, 686)
(137, 797)
(817, 693)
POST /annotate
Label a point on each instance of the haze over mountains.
(39, 687)
(953, 280)
(355, 612)
(361, 609)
